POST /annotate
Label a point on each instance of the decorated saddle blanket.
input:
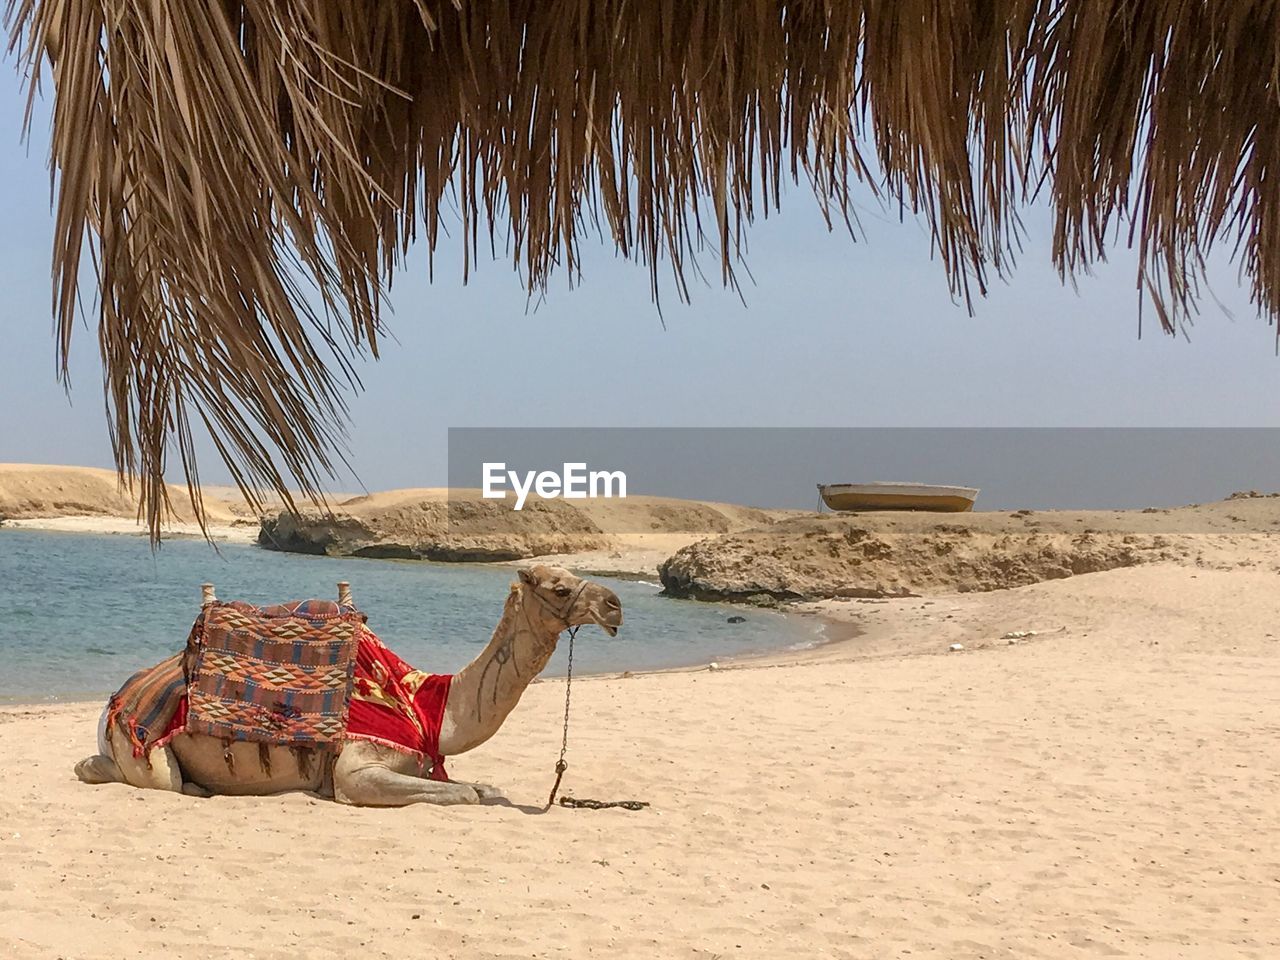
(384, 699)
(279, 675)
(146, 706)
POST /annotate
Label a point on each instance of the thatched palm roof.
(218, 156)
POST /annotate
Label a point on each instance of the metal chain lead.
(568, 689)
(562, 766)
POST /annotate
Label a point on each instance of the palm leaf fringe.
(246, 175)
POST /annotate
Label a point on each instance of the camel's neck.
(486, 690)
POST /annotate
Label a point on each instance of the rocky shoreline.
(770, 559)
(435, 529)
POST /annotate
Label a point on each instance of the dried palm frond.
(247, 174)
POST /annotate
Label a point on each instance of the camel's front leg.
(363, 776)
(484, 791)
(161, 773)
(99, 769)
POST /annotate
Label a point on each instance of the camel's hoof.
(465, 794)
(486, 792)
(195, 790)
(98, 769)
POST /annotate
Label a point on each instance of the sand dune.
(90, 500)
(1104, 788)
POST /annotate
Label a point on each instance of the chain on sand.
(580, 803)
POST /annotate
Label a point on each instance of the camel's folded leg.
(370, 784)
(99, 769)
(484, 791)
(161, 773)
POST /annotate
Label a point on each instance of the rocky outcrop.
(434, 528)
(433, 523)
(734, 553)
(858, 556)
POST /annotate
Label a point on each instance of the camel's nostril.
(612, 603)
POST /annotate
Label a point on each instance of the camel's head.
(565, 599)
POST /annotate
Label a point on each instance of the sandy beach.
(1089, 774)
(1102, 788)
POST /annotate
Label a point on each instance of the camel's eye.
(562, 591)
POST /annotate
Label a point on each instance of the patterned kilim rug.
(149, 703)
(279, 675)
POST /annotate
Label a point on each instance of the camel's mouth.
(611, 629)
(605, 612)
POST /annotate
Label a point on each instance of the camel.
(543, 602)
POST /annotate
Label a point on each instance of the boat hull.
(871, 496)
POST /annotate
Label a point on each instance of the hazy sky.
(833, 333)
(1014, 468)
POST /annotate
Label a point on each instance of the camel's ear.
(526, 576)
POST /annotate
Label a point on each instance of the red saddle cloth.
(397, 706)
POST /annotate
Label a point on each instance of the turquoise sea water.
(78, 614)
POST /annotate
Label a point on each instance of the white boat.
(897, 496)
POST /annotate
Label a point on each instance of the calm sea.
(78, 614)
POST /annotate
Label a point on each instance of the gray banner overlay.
(1039, 469)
